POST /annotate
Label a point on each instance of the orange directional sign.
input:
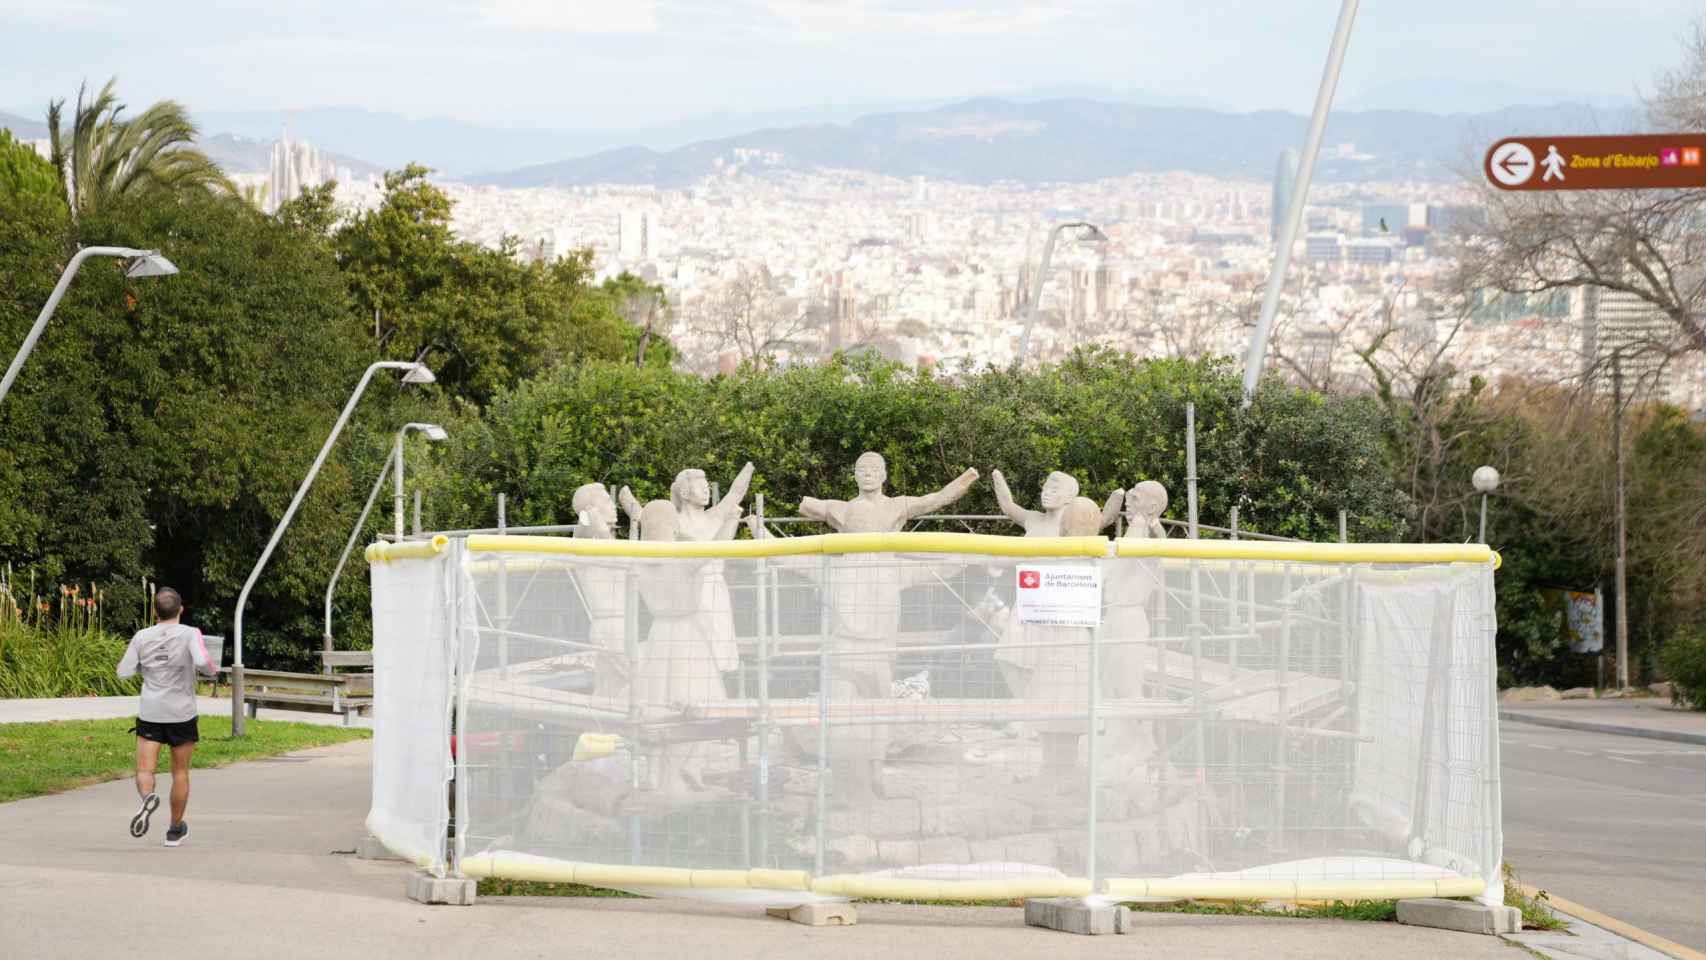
(1645, 161)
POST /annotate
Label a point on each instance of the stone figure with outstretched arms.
(864, 599)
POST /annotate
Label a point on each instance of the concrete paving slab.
(269, 871)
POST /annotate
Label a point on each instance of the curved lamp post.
(433, 432)
(1486, 480)
(415, 373)
(144, 263)
(1091, 232)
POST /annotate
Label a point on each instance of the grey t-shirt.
(168, 656)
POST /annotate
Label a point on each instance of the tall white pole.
(238, 727)
(1299, 196)
(53, 304)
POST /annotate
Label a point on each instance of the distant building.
(636, 235)
(1285, 180)
(294, 167)
(1620, 329)
(1385, 219)
(920, 225)
(1325, 247)
(1372, 250)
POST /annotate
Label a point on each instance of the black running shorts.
(171, 734)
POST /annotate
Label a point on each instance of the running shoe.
(139, 823)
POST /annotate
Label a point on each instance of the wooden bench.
(348, 694)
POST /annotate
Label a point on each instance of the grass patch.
(61, 661)
(1536, 910)
(500, 887)
(38, 758)
(1371, 911)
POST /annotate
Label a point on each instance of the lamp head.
(434, 432)
(419, 374)
(1486, 479)
(1093, 232)
(149, 263)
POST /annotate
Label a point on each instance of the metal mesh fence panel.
(908, 725)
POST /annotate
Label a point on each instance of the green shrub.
(61, 661)
(1683, 660)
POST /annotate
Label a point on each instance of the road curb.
(1612, 925)
(1674, 736)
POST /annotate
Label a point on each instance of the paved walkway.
(265, 872)
(1649, 717)
(101, 708)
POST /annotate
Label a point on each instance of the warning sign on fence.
(1059, 596)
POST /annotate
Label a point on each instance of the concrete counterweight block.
(423, 887)
(818, 914)
(1463, 915)
(1071, 915)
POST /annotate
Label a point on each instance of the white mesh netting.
(413, 650)
(880, 724)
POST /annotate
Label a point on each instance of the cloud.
(73, 13)
(564, 16)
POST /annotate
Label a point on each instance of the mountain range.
(987, 140)
(1055, 134)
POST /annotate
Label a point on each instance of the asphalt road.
(1612, 822)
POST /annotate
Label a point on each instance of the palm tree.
(108, 157)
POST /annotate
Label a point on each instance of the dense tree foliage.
(1291, 462)
(480, 317)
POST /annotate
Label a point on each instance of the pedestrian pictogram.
(1659, 161)
(1512, 164)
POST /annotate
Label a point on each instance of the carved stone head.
(1147, 500)
(592, 504)
(870, 472)
(657, 521)
(690, 487)
(1058, 490)
(1081, 518)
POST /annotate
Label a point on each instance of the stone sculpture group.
(690, 645)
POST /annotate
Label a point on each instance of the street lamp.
(433, 432)
(414, 373)
(144, 263)
(1091, 232)
(1486, 480)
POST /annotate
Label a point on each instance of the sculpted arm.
(1111, 509)
(918, 506)
(737, 490)
(1004, 499)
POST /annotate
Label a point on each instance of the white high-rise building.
(636, 235)
(295, 167)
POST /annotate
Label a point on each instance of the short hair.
(167, 603)
(657, 521)
(583, 496)
(1081, 518)
(678, 487)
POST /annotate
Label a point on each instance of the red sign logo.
(1030, 579)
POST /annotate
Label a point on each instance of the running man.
(168, 655)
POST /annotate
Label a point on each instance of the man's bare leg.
(147, 761)
(180, 779)
(147, 758)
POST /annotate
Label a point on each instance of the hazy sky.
(589, 63)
